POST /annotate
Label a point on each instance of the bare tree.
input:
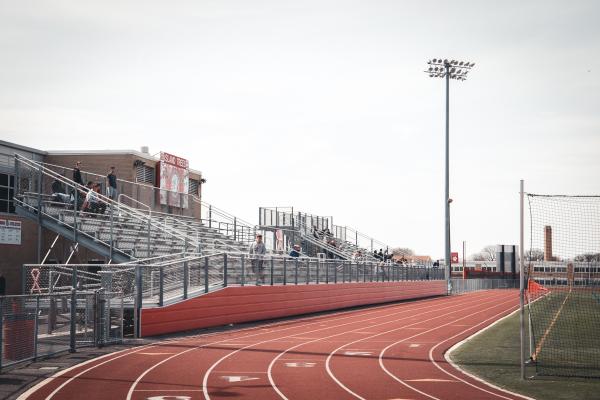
(588, 257)
(477, 257)
(488, 253)
(534, 255)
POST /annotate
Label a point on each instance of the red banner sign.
(454, 258)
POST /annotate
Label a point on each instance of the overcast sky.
(322, 105)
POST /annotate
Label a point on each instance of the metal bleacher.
(121, 233)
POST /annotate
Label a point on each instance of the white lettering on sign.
(230, 378)
(300, 364)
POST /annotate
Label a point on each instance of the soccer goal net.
(562, 259)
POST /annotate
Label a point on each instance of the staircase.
(300, 224)
(121, 233)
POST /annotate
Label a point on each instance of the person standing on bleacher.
(77, 173)
(111, 184)
(257, 251)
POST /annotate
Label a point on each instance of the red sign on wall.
(454, 258)
(174, 180)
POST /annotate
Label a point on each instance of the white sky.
(322, 105)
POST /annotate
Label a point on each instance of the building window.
(193, 189)
(144, 174)
(7, 192)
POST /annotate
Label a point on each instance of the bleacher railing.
(168, 280)
(34, 183)
(40, 325)
(143, 195)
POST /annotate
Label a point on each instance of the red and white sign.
(174, 180)
(454, 258)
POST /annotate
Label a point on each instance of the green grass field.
(566, 326)
(494, 356)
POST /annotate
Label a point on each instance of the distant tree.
(477, 257)
(403, 251)
(588, 257)
(488, 253)
(534, 255)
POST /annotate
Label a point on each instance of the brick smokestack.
(548, 243)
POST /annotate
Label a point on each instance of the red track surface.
(384, 352)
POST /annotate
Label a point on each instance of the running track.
(393, 351)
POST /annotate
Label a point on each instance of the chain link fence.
(460, 286)
(41, 325)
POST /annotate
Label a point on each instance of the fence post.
(285, 271)
(138, 300)
(225, 269)
(186, 279)
(39, 233)
(1, 328)
(296, 272)
(206, 275)
(317, 274)
(243, 270)
(72, 347)
(335, 274)
(326, 272)
(272, 269)
(100, 315)
(307, 271)
(148, 245)
(35, 327)
(75, 210)
(111, 230)
(161, 286)
(234, 228)
(210, 216)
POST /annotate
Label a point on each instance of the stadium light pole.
(458, 70)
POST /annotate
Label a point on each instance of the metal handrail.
(131, 210)
(26, 205)
(134, 200)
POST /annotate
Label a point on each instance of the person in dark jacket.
(2, 285)
(77, 173)
(295, 251)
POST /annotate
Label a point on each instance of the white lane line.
(430, 380)
(165, 342)
(43, 383)
(87, 370)
(328, 361)
(452, 304)
(168, 390)
(343, 315)
(430, 330)
(447, 357)
(395, 312)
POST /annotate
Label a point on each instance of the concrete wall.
(253, 303)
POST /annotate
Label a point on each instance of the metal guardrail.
(171, 279)
(460, 286)
(41, 325)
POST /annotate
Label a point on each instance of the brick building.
(23, 241)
